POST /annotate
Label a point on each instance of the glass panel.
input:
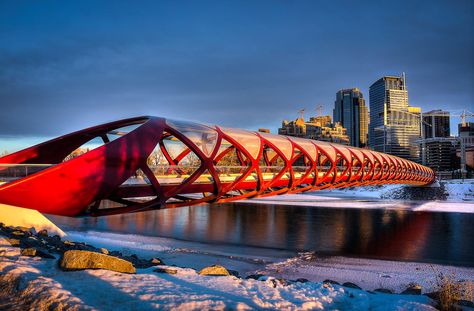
(92, 144)
(11, 172)
(204, 137)
(229, 167)
(327, 148)
(138, 178)
(204, 178)
(345, 152)
(172, 174)
(281, 142)
(306, 145)
(250, 141)
(358, 154)
(114, 134)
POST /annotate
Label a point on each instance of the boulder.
(412, 289)
(12, 241)
(166, 270)
(69, 243)
(254, 276)
(157, 261)
(43, 232)
(18, 233)
(80, 260)
(383, 291)
(104, 251)
(214, 270)
(351, 285)
(328, 281)
(33, 252)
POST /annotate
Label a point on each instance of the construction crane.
(319, 110)
(301, 113)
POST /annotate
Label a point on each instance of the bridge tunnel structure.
(146, 163)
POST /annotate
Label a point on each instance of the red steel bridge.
(147, 163)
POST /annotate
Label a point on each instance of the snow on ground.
(43, 284)
(369, 274)
(459, 198)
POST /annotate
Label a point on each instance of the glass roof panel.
(345, 152)
(327, 148)
(280, 142)
(204, 137)
(358, 154)
(250, 141)
(306, 145)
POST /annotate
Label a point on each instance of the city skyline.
(220, 63)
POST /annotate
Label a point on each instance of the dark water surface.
(446, 238)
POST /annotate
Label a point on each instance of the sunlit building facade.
(318, 128)
(394, 125)
(351, 112)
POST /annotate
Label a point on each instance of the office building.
(436, 124)
(351, 112)
(394, 126)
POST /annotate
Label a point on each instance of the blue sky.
(65, 65)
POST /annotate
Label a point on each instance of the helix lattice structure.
(149, 162)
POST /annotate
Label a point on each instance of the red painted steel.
(167, 163)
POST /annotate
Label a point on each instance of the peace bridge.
(147, 163)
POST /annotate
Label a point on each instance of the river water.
(394, 234)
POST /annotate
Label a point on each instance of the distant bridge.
(147, 163)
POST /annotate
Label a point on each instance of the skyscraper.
(436, 124)
(394, 125)
(350, 111)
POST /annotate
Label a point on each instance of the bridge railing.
(11, 172)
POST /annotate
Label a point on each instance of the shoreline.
(271, 283)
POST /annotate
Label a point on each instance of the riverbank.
(301, 281)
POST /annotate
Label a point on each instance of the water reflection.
(387, 234)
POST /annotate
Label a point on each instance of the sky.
(66, 65)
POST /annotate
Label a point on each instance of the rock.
(69, 243)
(254, 276)
(432, 295)
(412, 289)
(33, 252)
(56, 238)
(331, 282)
(80, 260)
(18, 233)
(115, 253)
(104, 250)
(25, 229)
(302, 280)
(166, 270)
(30, 242)
(351, 285)
(383, 291)
(43, 232)
(234, 273)
(157, 261)
(214, 270)
(13, 242)
(465, 303)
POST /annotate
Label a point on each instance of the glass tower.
(350, 111)
(394, 125)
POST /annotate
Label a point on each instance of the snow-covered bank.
(33, 282)
(369, 274)
(458, 199)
